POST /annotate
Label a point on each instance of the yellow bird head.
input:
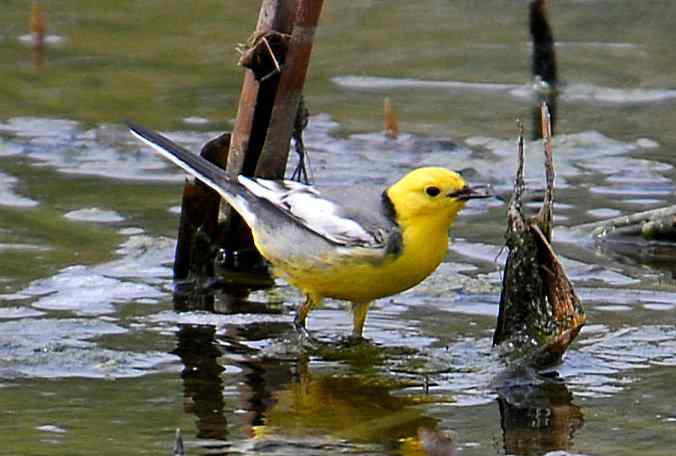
(430, 193)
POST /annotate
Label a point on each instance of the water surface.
(94, 348)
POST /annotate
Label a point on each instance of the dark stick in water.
(540, 314)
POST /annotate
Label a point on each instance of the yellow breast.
(424, 248)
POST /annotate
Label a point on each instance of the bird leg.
(301, 315)
(359, 311)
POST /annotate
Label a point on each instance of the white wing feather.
(306, 204)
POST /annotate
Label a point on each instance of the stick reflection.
(202, 382)
(537, 419)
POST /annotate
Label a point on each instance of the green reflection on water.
(148, 60)
(132, 416)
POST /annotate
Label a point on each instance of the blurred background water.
(95, 360)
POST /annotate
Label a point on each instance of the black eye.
(432, 191)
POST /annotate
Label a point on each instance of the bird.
(350, 243)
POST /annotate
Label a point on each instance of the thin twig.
(605, 226)
(272, 54)
(519, 183)
(547, 210)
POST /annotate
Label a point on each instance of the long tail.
(207, 172)
(232, 191)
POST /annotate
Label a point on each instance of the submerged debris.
(656, 224)
(179, 448)
(540, 314)
(543, 65)
(300, 173)
(38, 25)
(437, 443)
(390, 120)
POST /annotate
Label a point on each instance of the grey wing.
(370, 208)
(346, 216)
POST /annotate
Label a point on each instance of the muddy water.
(95, 358)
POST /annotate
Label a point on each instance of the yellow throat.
(425, 214)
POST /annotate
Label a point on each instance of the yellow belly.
(357, 280)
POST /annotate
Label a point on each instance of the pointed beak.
(467, 193)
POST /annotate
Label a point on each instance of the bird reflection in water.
(291, 402)
(286, 401)
(352, 407)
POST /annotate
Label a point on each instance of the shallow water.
(93, 346)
